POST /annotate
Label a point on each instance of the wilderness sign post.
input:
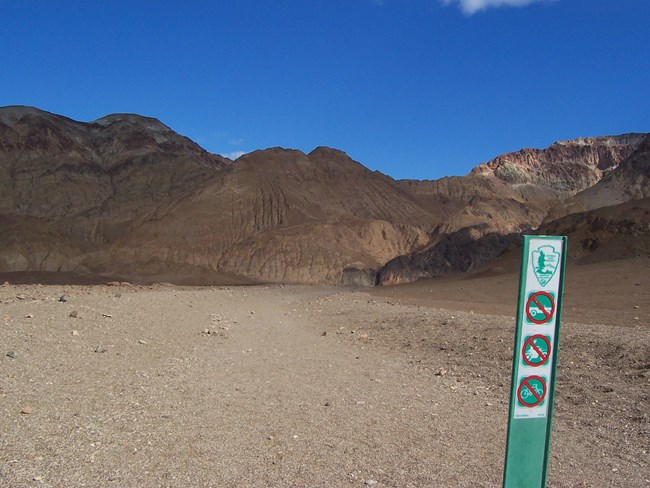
(537, 339)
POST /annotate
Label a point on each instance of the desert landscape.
(408, 385)
(171, 317)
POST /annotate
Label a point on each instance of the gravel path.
(294, 386)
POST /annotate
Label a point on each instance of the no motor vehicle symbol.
(536, 350)
(531, 391)
(540, 307)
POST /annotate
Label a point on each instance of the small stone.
(371, 483)
(141, 341)
(75, 332)
(74, 314)
(27, 410)
(63, 298)
(12, 354)
(37, 478)
(637, 307)
(324, 333)
(107, 315)
(29, 316)
(328, 404)
(441, 372)
(118, 295)
(100, 349)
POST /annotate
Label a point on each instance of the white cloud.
(470, 7)
(233, 155)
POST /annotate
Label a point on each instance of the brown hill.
(484, 213)
(515, 191)
(94, 182)
(125, 195)
(565, 167)
(282, 215)
(630, 180)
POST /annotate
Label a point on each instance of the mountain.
(516, 190)
(607, 233)
(487, 210)
(125, 196)
(630, 180)
(282, 215)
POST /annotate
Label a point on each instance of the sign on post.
(537, 337)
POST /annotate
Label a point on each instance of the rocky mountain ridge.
(126, 196)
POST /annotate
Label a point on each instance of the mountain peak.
(12, 114)
(132, 119)
(328, 152)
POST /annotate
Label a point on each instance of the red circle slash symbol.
(531, 391)
(538, 312)
(536, 353)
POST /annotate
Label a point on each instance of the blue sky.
(413, 88)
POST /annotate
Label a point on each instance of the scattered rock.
(29, 316)
(441, 372)
(100, 349)
(328, 404)
(63, 298)
(324, 333)
(27, 410)
(75, 333)
(141, 341)
(74, 314)
(12, 354)
(371, 483)
(107, 315)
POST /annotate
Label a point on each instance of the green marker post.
(537, 339)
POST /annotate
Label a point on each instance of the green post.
(537, 340)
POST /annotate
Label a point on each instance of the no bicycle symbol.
(540, 307)
(531, 391)
(536, 350)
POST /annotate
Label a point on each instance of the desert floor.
(284, 386)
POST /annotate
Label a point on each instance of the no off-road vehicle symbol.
(531, 391)
(536, 350)
(540, 307)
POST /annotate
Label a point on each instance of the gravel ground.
(296, 386)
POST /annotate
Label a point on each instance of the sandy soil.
(310, 386)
